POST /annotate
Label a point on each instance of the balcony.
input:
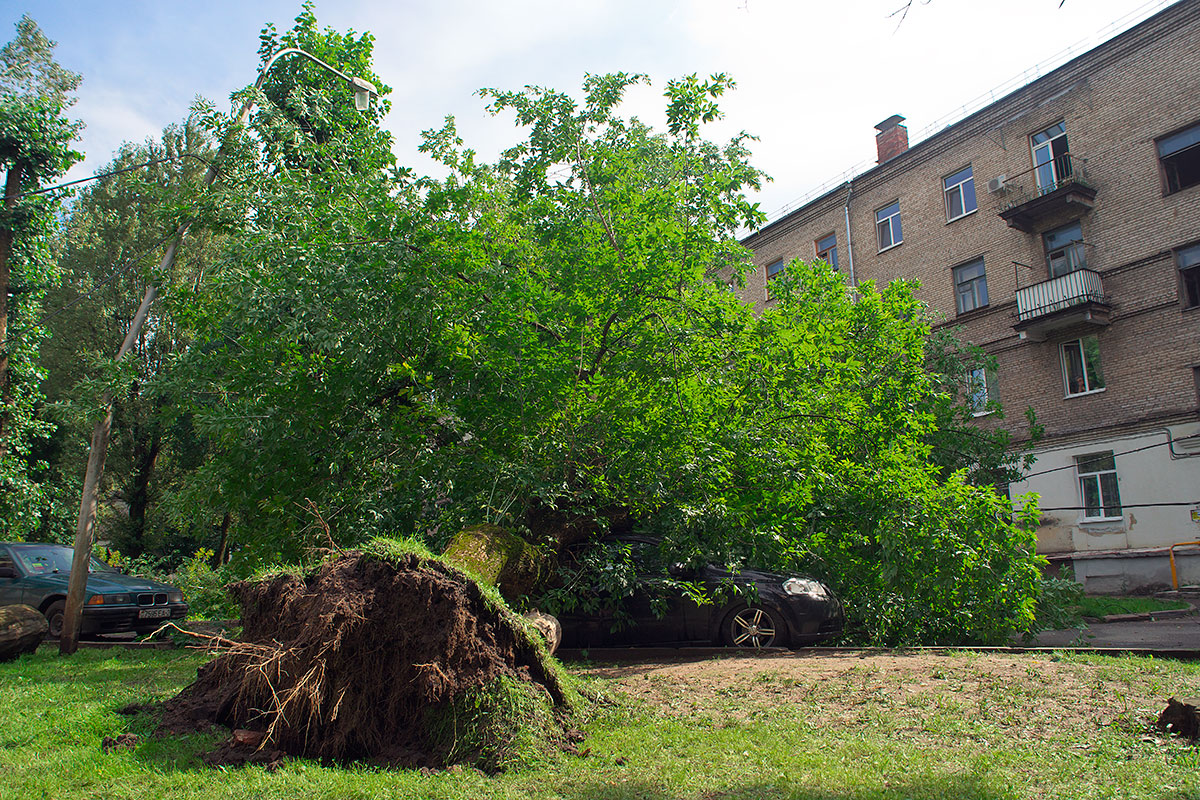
(1048, 195)
(1071, 299)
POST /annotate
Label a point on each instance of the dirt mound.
(383, 657)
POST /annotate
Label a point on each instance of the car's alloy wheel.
(755, 626)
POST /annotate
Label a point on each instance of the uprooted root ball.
(393, 659)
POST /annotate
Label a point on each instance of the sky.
(813, 77)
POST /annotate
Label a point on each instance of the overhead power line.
(1115, 455)
(109, 174)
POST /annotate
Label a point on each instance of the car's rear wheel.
(754, 626)
(55, 614)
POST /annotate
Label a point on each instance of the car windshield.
(42, 559)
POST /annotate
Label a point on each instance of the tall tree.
(35, 139)
(543, 342)
(112, 240)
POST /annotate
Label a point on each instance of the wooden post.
(68, 642)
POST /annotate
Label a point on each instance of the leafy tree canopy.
(548, 342)
(35, 147)
(28, 68)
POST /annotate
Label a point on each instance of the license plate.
(154, 613)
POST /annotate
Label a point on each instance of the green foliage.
(35, 147)
(204, 587)
(544, 343)
(303, 90)
(28, 68)
(1058, 605)
(987, 453)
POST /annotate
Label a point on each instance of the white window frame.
(960, 188)
(1095, 478)
(1087, 383)
(1057, 159)
(892, 227)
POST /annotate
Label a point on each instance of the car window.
(6, 559)
(47, 559)
(645, 557)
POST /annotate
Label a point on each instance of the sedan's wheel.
(55, 616)
(754, 626)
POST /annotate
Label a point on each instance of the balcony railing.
(1048, 194)
(1066, 300)
(1073, 289)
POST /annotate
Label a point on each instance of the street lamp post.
(73, 613)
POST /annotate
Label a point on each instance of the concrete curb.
(1148, 616)
(649, 655)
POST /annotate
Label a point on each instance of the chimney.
(892, 139)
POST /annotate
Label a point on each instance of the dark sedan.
(36, 575)
(752, 608)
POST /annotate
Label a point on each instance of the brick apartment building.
(1060, 228)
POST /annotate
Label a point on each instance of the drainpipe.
(849, 243)
(1171, 445)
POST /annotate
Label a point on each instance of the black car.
(752, 608)
(36, 575)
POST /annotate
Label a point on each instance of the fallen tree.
(383, 655)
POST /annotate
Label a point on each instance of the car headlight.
(109, 600)
(807, 587)
(174, 597)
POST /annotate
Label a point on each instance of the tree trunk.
(12, 187)
(145, 454)
(222, 549)
(22, 629)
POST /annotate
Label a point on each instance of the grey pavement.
(1178, 633)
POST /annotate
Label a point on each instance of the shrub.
(204, 587)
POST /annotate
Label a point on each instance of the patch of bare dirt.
(1028, 694)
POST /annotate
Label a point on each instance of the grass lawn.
(1102, 606)
(823, 727)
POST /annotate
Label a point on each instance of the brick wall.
(1114, 101)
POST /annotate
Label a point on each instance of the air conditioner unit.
(996, 184)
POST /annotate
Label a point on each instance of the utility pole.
(85, 530)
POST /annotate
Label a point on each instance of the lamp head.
(362, 93)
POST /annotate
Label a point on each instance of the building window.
(1051, 160)
(1180, 157)
(1081, 366)
(772, 271)
(981, 390)
(1189, 273)
(1064, 249)
(970, 286)
(960, 194)
(827, 249)
(887, 226)
(1098, 485)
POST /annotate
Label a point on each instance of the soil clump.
(379, 656)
